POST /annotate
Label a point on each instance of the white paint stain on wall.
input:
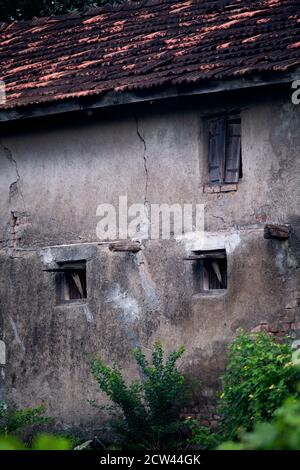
(46, 256)
(2, 353)
(87, 313)
(210, 241)
(17, 337)
(124, 304)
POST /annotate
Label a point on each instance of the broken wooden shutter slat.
(233, 152)
(61, 269)
(215, 267)
(203, 256)
(216, 149)
(77, 281)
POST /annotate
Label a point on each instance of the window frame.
(203, 268)
(62, 272)
(224, 132)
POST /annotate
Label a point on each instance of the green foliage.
(282, 433)
(13, 420)
(202, 437)
(259, 376)
(48, 442)
(41, 442)
(150, 409)
(25, 9)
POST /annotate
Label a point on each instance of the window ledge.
(220, 188)
(71, 303)
(212, 294)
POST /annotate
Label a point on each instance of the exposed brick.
(212, 188)
(262, 326)
(280, 334)
(288, 316)
(225, 188)
(273, 327)
(214, 423)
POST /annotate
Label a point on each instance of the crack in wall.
(14, 187)
(13, 224)
(19, 222)
(220, 218)
(142, 139)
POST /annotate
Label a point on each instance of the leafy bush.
(202, 437)
(150, 409)
(41, 442)
(13, 420)
(282, 433)
(259, 376)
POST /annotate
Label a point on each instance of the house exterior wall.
(52, 178)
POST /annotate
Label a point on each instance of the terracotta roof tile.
(140, 45)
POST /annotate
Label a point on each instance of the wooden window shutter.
(216, 149)
(233, 152)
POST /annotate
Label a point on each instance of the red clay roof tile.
(139, 45)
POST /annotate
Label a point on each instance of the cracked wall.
(64, 170)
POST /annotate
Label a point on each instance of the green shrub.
(282, 433)
(259, 376)
(150, 409)
(41, 442)
(13, 420)
(202, 437)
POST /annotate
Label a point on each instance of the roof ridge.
(118, 7)
(89, 12)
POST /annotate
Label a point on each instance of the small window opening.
(209, 270)
(71, 282)
(224, 150)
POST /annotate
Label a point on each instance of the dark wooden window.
(224, 149)
(209, 270)
(70, 280)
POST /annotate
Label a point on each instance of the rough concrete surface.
(52, 178)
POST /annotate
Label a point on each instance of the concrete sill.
(71, 303)
(211, 294)
(220, 188)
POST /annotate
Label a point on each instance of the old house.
(156, 102)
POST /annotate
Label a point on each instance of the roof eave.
(117, 98)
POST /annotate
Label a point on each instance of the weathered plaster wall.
(53, 177)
